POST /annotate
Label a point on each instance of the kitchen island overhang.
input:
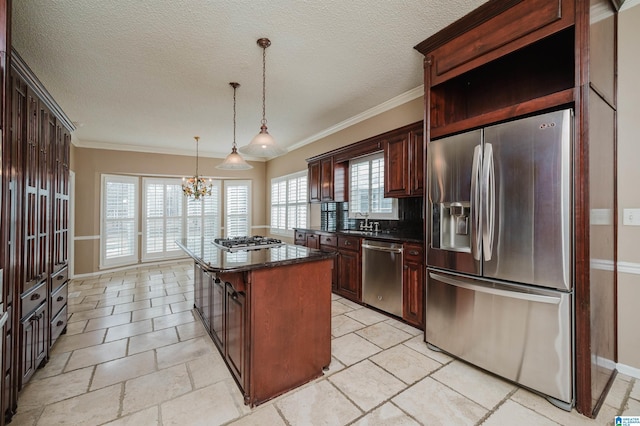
(268, 312)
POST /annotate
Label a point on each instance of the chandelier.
(234, 161)
(196, 186)
(263, 144)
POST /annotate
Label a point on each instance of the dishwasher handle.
(385, 249)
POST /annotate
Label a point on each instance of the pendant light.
(234, 161)
(196, 186)
(263, 144)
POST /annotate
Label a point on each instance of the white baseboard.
(628, 370)
(129, 267)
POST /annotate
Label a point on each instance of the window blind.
(237, 207)
(119, 233)
(289, 202)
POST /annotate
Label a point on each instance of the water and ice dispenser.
(451, 226)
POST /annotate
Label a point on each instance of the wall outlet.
(631, 217)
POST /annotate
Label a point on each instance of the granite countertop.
(215, 259)
(395, 236)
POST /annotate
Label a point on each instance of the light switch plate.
(631, 217)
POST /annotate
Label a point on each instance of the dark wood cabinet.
(315, 183)
(313, 241)
(349, 267)
(403, 162)
(510, 59)
(413, 285)
(327, 180)
(272, 326)
(34, 341)
(236, 334)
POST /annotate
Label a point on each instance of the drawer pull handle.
(60, 277)
(60, 299)
(413, 252)
(35, 296)
(59, 323)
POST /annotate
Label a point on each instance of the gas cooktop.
(255, 242)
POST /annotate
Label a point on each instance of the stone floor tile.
(351, 348)
(147, 417)
(618, 393)
(67, 343)
(53, 367)
(338, 308)
(76, 327)
(113, 299)
(181, 307)
(195, 408)
(155, 388)
(38, 393)
(405, 363)
(631, 409)
(122, 369)
(94, 355)
(147, 295)
(383, 335)
(172, 320)
(155, 339)
(366, 384)
(128, 330)
(182, 352)
(94, 313)
(418, 345)
(262, 415)
(349, 303)
(366, 316)
(133, 306)
(432, 402)
(405, 327)
(110, 321)
(91, 408)
(515, 414)
(191, 330)
(387, 415)
(483, 388)
(635, 391)
(320, 404)
(149, 313)
(342, 324)
(166, 300)
(207, 370)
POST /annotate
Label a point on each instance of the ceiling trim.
(629, 3)
(372, 112)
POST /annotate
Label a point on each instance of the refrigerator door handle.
(489, 195)
(476, 237)
(511, 294)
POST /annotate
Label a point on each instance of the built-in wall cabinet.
(36, 137)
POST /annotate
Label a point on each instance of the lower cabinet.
(349, 267)
(33, 329)
(272, 326)
(59, 295)
(413, 285)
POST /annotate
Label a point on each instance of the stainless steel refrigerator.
(499, 279)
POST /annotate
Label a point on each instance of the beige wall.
(628, 180)
(90, 164)
(295, 161)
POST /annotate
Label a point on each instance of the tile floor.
(134, 354)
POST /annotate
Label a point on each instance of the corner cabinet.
(508, 59)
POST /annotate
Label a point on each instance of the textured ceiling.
(148, 75)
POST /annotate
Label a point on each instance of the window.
(237, 219)
(289, 202)
(119, 221)
(170, 216)
(366, 194)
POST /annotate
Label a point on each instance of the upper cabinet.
(403, 163)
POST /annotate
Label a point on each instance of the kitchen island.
(268, 312)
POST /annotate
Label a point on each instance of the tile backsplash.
(335, 216)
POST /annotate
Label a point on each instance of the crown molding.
(629, 4)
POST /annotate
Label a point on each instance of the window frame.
(288, 230)
(226, 185)
(110, 262)
(353, 214)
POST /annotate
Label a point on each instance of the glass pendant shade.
(234, 161)
(263, 144)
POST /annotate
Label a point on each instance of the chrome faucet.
(366, 226)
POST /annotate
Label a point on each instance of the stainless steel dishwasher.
(382, 275)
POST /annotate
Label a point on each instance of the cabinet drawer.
(59, 298)
(348, 243)
(58, 324)
(413, 253)
(33, 298)
(533, 19)
(300, 236)
(59, 278)
(329, 240)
